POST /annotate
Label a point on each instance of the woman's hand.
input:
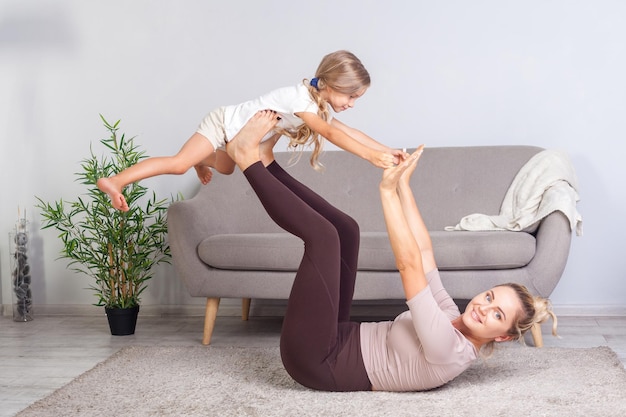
(406, 175)
(404, 170)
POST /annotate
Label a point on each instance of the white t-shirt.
(420, 349)
(286, 101)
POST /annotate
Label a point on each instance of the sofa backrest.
(449, 183)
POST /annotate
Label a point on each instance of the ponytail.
(304, 135)
(535, 310)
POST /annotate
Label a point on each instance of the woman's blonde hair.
(535, 310)
(341, 71)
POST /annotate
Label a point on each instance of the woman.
(424, 347)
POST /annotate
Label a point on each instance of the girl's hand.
(391, 176)
(399, 155)
(381, 159)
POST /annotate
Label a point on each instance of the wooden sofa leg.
(535, 331)
(210, 314)
(245, 308)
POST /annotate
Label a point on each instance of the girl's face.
(491, 314)
(340, 101)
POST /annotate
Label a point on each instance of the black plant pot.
(122, 321)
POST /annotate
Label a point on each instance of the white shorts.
(212, 128)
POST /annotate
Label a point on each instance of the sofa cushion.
(458, 250)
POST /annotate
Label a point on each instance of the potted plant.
(117, 249)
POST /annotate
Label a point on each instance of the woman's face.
(491, 314)
(340, 101)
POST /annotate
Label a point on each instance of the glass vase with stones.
(20, 275)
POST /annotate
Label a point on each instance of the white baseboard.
(273, 308)
(589, 310)
(89, 310)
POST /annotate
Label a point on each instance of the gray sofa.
(224, 245)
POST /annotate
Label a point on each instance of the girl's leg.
(219, 160)
(223, 164)
(193, 151)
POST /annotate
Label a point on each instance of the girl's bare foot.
(244, 147)
(108, 186)
(218, 161)
(203, 168)
(204, 173)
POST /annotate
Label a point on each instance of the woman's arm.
(405, 247)
(414, 217)
(380, 156)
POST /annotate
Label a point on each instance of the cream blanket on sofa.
(546, 183)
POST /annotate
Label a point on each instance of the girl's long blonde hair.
(341, 71)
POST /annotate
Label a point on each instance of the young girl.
(304, 117)
(424, 347)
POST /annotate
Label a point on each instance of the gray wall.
(446, 73)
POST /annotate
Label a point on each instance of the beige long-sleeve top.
(420, 349)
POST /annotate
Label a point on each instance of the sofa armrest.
(553, 238)
(188, 223)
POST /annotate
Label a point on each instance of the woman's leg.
(347, 228)
(309, 333)
(316, 350)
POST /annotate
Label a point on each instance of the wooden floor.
(41, 356)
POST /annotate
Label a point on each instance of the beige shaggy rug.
(219, 381)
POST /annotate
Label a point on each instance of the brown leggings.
(320, 347)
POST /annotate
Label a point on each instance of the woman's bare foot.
(108, 186)
(266, 150)
(244, 147)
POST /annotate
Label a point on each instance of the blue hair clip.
(314, 82)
